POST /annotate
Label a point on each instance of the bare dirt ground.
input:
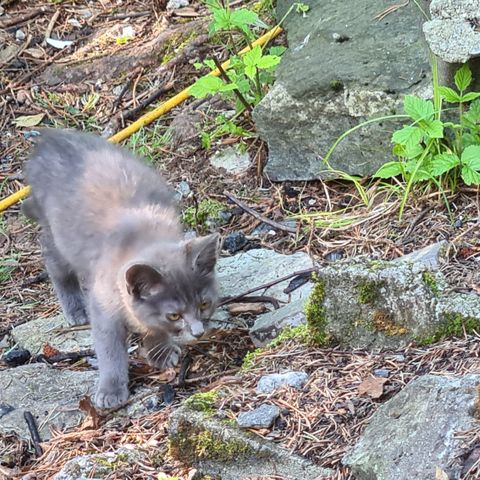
(99, 84)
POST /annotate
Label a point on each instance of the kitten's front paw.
(169, 359)
(110, 397)
(77, 317)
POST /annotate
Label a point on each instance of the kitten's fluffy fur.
(115, 252)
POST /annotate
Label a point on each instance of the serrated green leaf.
(399, 150)
(243, 85)
(210, 64)
(221, 20)
(250, 71)
(470, 139)
(449, 94)
(253, 56)
(443, 163)
(434, 129)
(470, 176)
(242, 18)
(206, 86)
(471, 157)
(407, 134)
(463, 78)
(278, 51)
(474, 108)
(389, 170)
(413, 150)
(268, 61)
(418, 108)
(468, 97)
(420, 172)
(29, 120)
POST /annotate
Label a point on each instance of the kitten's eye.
(173, 317)
(205, 305)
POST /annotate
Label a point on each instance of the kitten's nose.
(197, 329)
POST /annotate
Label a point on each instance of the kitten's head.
(176, 297)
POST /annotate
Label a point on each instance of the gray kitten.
(115, 252)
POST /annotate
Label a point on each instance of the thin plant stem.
(226, 79)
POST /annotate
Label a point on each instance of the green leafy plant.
(248, 74)
(222, 126)
(437, 151)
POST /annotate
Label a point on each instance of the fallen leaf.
(49, 351)
(440, 474)
(373, 387)
(29, 120)
(35, 52)
(87, 406)
(167, 375)
(255, 308)
(8, 53)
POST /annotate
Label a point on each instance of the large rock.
(374, 304)
(51, 395)
(219, 449)
(414, 433)
(54, 331)
(383, 305)
(343, 66)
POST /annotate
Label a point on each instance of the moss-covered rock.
(365, 304)
(217, 448)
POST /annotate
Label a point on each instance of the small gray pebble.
(269, 383)
(20, 35)
(382, 372)
(261, 417)
(175, 4)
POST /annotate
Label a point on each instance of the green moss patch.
(368, 292)
(454, 325)
(431, 282)
(315, 314)
(196, 443)
(207, 209)
(202, 402)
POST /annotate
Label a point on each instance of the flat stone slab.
(216, 448)
(55, 331)
(414, 433)
(343, 66)
(51, 395)
(231, 160)
(253, 268)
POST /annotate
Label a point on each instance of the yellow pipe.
(14, 198)
(151, 116)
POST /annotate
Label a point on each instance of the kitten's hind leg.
(30, 209)
(65, 282)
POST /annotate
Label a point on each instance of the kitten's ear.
(143, 281)
(203, 252)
